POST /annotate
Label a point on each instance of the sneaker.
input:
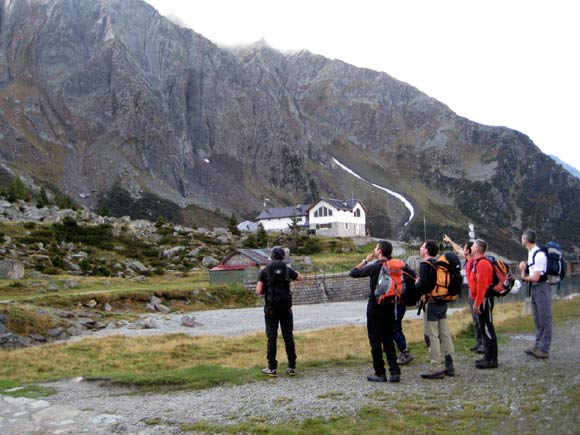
(290, 371)
(540, 354)
(269, 372)
(433, 375)
(485, 364)
(377, 378)
(405, 358)
(395, 378)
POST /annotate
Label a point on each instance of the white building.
(278, 219)
(328, 217)
(338, 218)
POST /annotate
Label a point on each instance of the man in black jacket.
(380, 319)
(278, 309)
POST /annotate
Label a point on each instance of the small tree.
(103, 208)
(261, 236)
(17, 191)
(250, 242)
(294, 230)
(233, 225)
(42, 199)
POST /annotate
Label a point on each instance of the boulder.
(11, 269)
(14, 341)
(209, 262)
(189, 322)
(135, 265)
(163, 309)
(73, 331)
(168, 253)
(38, 337)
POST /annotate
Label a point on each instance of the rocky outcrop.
(101, 94)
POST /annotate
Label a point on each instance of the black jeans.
(285, 319)
(380, 328)
(488, 330)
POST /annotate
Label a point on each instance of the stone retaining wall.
(317, 290)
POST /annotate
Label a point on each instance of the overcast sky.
(497, 62)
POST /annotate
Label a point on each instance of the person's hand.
(477, 309)
(446, 238)
(371, 257)
(523, 266)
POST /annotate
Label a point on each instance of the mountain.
(111, 103)
(566, 166)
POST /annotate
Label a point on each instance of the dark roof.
(260, 256)
(284, 212)
(341, 204)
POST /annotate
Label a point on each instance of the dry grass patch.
(148, 356)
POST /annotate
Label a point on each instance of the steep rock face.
(100, 93)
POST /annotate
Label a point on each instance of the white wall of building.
(281, 224)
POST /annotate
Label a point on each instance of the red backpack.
(502, 282)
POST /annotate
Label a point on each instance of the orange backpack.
(391, 282)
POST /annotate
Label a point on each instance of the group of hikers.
(386, 307)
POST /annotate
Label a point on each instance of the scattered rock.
(189, 322)
(173, 251)
(209, 262)
(135, 265)
(14, 341)
(54, 332)
(91, 304)
(11, 269)
(107, 307)
(74, 331)
(38, 337)
(163, 309)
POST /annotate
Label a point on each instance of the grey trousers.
(476, 327)
(542, 310)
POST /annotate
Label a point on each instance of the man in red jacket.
(480, 280)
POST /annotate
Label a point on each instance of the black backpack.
(279, 295)
(556, 265)
(410, 295)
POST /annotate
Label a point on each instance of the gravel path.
(244, 320)
(521, 381)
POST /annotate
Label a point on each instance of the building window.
(357, 212)
(323, 226)
(322, 211)
(346, 226)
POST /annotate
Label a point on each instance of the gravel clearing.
(521, 382)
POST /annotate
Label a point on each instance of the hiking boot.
(530, 351)
(433, 375)
(480, 360)
(485, 364)
(405, 358)
(449, 369)
(395, 378)
(377, 378)
(269, 372)
(540, 354)
(474, 347)
(291, 371)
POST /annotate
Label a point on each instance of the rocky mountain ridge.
(99, 95)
